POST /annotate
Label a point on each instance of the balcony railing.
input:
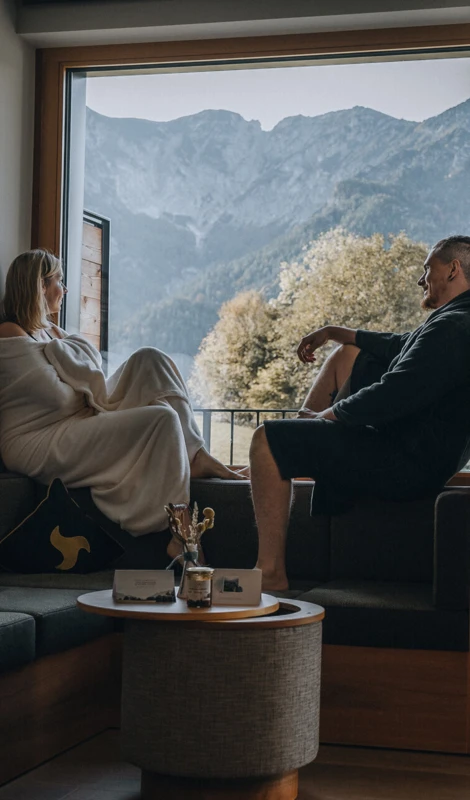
(207, 419)
(256, 413)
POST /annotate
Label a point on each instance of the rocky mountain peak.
(212, 194)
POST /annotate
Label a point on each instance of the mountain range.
(207, 205)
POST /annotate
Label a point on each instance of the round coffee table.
(215, 703)
(102, 603)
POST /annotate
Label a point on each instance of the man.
(388, 414)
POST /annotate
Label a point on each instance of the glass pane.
(249, 206)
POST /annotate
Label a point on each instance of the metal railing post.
(232, 424)
(207, 421)
(206, 428)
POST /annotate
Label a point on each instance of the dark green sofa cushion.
(59, 623)
(388, 614)
(17, 640)
(17, 499)
(139, 552)
(57, 536)
(383, 540)
(93, 582)
(452, 549)
(233, 542)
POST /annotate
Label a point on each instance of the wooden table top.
(102, 603)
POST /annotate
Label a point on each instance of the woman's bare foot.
(204, 465)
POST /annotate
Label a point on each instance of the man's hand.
(328, 413)
(316, 339)
(310, 343)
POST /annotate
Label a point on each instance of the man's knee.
(346, 353)
(259, 441)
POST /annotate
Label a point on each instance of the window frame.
(52, 65)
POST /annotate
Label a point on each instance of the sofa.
(393, 578)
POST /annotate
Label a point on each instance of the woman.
(132, 438)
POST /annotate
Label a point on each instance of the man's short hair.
(454, 247)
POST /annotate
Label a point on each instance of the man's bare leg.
(272, 495)
(272, 498)
(333, 374)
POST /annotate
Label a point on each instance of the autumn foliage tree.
(234, 352)
(249, 357)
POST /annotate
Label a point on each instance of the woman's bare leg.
(272, 498)
(333, 374)
(204, 465)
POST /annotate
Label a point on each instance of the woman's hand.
(310, 343)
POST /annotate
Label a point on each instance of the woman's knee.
(149, 354)
(154, 417)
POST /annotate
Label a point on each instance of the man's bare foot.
(273, 581)
(204, 465)
(306, 413)
(174, 548)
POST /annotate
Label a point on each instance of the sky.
(413, 90)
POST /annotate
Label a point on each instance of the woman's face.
(54, 290)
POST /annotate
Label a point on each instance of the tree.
(249, 358)
(233, 353)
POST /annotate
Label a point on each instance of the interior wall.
(16, 138)
(67, 24)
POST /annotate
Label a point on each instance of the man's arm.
(319, 337)
(384, 346)
(437, 362)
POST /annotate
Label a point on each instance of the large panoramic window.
(230, 211)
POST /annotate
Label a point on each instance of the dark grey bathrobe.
(405, 428)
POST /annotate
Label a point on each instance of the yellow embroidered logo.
(69, 546)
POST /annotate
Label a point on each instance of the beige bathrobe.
(129, 437)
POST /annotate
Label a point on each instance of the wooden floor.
(94, 771)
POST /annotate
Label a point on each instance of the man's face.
(434, 282)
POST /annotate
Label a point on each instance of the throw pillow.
(58, 537)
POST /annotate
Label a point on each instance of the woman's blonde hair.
(24, 301)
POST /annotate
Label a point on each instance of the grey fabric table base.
(211, 703)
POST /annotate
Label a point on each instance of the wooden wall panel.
(410, 699)
(91, 285)
(57, 702)
(90, 293)
(92, 247)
